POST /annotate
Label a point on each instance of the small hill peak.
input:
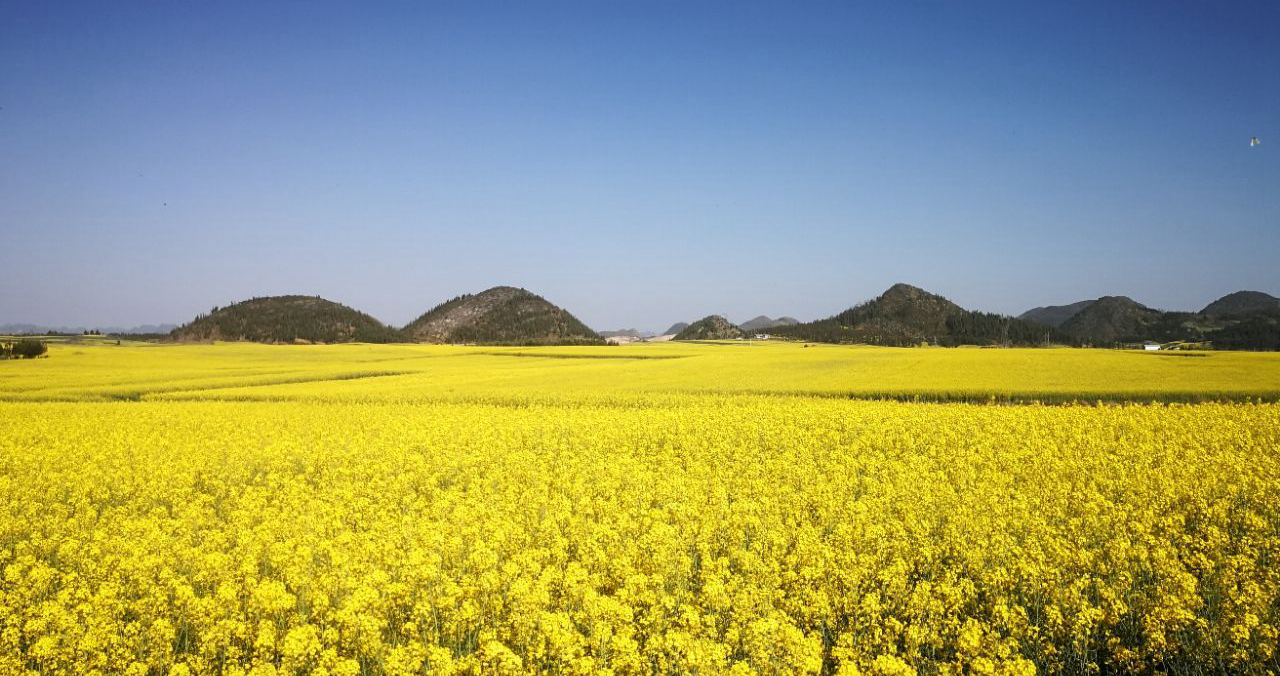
(1242, 302)
(287, 319)
(711, 327)
(1119, 301)
(502, 315)
(904, 288)
(1110, 319)
(908, 315)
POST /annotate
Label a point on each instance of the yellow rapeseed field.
(659, 509)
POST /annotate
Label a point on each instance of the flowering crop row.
(692, 534)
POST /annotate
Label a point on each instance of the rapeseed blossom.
(355, 527)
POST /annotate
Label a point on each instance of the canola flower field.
(652, 509)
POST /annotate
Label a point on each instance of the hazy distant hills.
(675, 329)
(38, 329)
(763, 322)
(287, 319)
(626, 333)
(501, 315)
(907, 315)
(712, 327)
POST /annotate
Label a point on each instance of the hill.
(713, 327)
(1244, 320)
(763, 322)
(1242, 302)
(675, 329)
(1055, 315)
(287, 319)
(1112, 319)
(503, 315)
(907, 315)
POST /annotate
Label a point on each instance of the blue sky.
(636, 162)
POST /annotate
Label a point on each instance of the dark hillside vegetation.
(1244, 320)
(1242, 302)
(905, 315)
(503, 315)
(287, 319)
(1255, 331)
(711, 327)
(25, 348)
(1111, 319)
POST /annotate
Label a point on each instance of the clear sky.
(636, 162)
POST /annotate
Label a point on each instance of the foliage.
(287, 319)
(502, 315)
(25, 348)
(905, 316)
(1239, 321)
(1256, 331)
(712, 327)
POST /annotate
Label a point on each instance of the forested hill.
(503, 315)
(712, 327)
(907, 315)
(1242, 303)
(287, 319)
(1244, 320)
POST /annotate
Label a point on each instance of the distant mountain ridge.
(626, 333)
(502, 315)
(906, 315)
(764, 322)
(40, 329)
